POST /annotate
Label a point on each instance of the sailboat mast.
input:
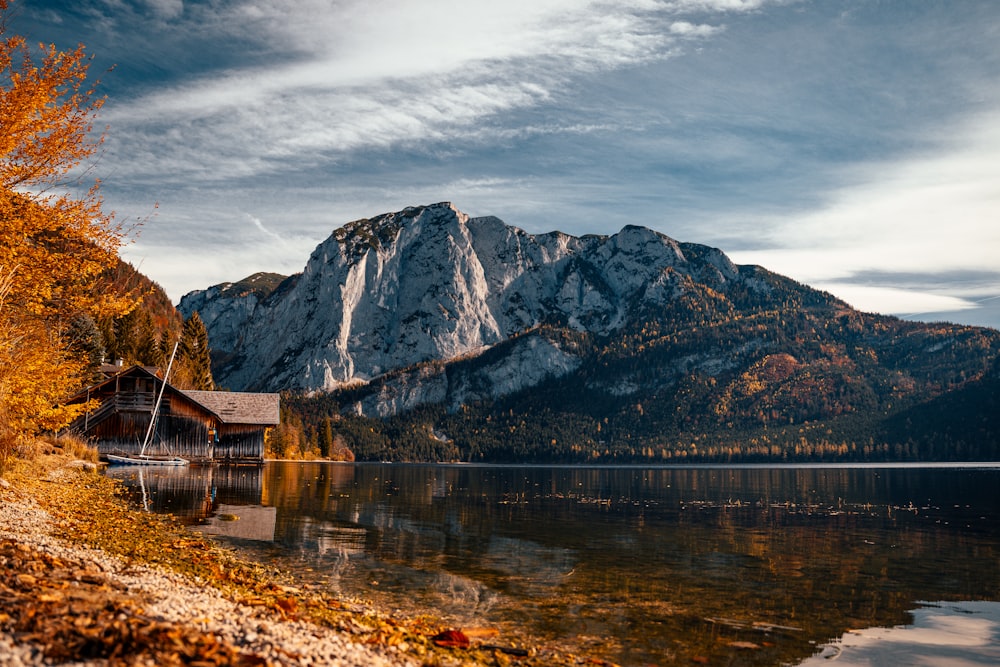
(156, 408)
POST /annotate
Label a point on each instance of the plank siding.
(239, 442)
(179, 431)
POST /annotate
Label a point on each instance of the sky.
(853, 146)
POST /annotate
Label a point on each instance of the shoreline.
(90, 581)
(776, 464)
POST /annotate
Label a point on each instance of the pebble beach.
(87, 580)
(81, 582)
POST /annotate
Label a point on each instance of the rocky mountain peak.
(383, 229)
(628, 347)
(430, 284)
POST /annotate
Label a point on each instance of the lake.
(740, 565)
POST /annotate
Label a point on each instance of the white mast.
(156, 408)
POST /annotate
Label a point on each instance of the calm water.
(741, 566)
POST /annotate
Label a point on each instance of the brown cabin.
(201, 426)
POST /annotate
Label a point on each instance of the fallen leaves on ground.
(72, 612)
(451, 639)
(75, 612)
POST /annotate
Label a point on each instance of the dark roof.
(231, 407)
(239, 407)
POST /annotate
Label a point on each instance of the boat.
(146, 460)
(142, 458)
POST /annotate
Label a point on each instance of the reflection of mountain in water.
(226, 500)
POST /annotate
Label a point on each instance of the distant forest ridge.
(824, 417)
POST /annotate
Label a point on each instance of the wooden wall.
(180, 431)
(240, 442)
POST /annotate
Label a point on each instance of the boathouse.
(201, 426)
(241, 418)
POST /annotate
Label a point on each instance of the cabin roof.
(230, 407)
(239, 407)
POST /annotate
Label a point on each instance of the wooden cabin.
(242, 419)
(201, 426)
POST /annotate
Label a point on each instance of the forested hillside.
(143, 334)
(713, 378)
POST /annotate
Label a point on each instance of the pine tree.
(326, 438)
(120, 336)
(147, 352)
(163, 350)
(194, 358)
(85, 341)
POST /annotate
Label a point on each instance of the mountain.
(430, 283)
(226, 308)
(469, 338)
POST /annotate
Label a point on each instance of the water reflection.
(645, 566)
(944, 634)
(244, 522)
(180, 490)
(219, 500)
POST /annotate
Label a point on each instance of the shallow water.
(749, 565)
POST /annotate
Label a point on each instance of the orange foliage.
(53, 244)
(778, 367)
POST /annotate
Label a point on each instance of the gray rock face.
(227, 307)
(224, 316)
(429, 284)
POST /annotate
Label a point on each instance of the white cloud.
(893, 300)
(690, 30)
(259, 224)
(181, 269)
(720, 6)
(375, 76)
(931, 213)
(399, 39)
(166, 9)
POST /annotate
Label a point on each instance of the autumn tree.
(54, 244)
(287, 440)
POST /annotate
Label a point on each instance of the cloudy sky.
(854, 146)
